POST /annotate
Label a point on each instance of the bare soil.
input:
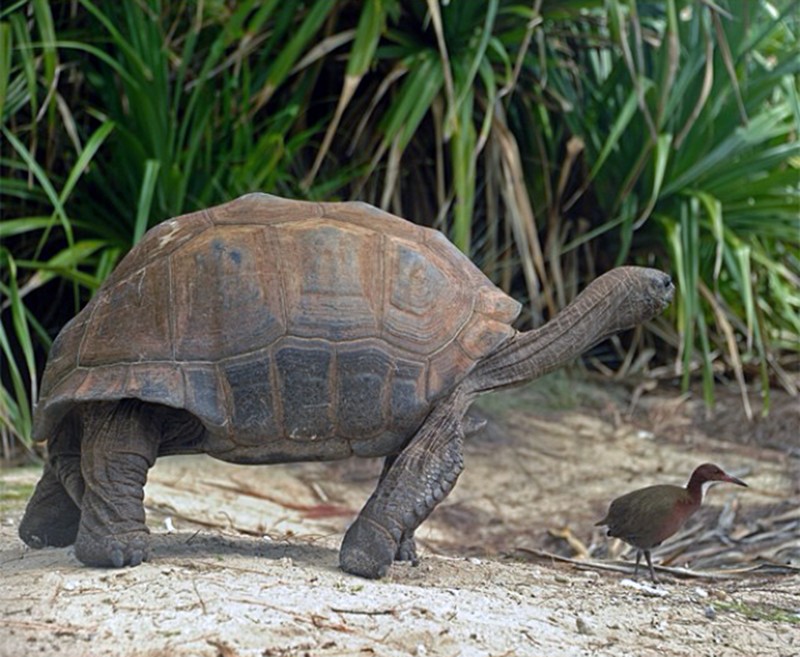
(244, 558)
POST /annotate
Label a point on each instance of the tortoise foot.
(407, 550)
(116, 551)
(42, 530)
(368, 549)
(51, 518)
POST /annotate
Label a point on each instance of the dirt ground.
(244, 558)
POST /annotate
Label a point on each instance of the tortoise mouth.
(667, 290)
(670, 289)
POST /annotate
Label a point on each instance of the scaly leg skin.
(407, 548)
(120, 444)
(420, 477)
(51, 518)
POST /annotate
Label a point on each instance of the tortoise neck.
(589, 319)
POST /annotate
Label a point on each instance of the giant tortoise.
(268, 330)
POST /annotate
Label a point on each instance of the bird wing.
(640, 517)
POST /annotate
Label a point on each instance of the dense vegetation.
(549, 139)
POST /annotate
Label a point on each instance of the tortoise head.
(636, 294)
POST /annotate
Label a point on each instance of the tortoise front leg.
(420, 477)
(120, 444)
(407, 547)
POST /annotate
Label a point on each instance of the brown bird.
(646, 517)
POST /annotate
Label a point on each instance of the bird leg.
(639, 554)
(649, 563)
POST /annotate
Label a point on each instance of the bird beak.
(734, 480)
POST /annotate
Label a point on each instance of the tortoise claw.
(112, 551)
(407, 550)
(117, 560)
(137, 557)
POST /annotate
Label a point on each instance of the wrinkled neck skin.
(589, 319)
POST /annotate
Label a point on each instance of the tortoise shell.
(291, 330)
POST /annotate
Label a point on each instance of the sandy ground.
(244, 558)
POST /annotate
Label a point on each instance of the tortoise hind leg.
(120, 444)
(53, 513)
(51, 518)
(411, 486)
